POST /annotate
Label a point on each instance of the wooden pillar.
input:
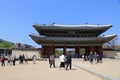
(77, 51)
(91, 49)
(52, 50)
(64, 50)
(42, 52)
(100, 52)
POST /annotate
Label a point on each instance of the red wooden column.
(52, 50)
(91, 49)
(100, 52)
(77, 51)
(42, 52)
(64, 50)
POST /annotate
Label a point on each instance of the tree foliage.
(58, 52)
(6, 45)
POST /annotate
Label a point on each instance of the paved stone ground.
(108, 70)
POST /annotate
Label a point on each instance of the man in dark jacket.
(68, 60)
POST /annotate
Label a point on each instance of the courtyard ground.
(108, 70)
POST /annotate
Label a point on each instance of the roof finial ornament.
(86, 23)
(53, 23)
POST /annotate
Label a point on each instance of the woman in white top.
(62, 61)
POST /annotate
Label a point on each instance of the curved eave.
(41, 40)
(42, 28)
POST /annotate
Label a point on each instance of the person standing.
(91, 57)
(26, 59)
(14, 60)
(52, 61)
(20, 59)
(68, 60)
(9, 60)
(95, 58)
(34, 59)
(2, 61)
(62, 61)
(23, 58)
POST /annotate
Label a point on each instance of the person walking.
(52, 61)
(68, 60)
(91, 57)
(95, 58)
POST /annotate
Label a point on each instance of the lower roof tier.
(71, 40)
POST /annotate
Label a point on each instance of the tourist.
(9, 60)
(62, 61)
(98, 57)
(2, 59)
(34, 59)
(52, 61)
(23, 58)
(95, 58)
(91, 57)
(14, 60)
(83, 58)
(68, 60)
(26, 59)
(20, 59)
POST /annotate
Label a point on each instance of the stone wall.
(37, 52)
(28, 52)
(111, 54)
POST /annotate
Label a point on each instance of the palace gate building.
(84, 38)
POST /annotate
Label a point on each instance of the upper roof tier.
(71, 29)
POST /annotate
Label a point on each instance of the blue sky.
(18, 16)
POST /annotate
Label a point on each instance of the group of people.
(11, 60)
(2, 60)
(25, 59)
(92, 57)
(65, 60)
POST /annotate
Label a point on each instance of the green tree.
(6, 45)
(58, 52)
